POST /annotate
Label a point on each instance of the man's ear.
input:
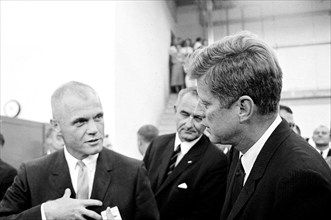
(246, 105)
(55, 125)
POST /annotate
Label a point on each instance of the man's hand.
(67, 208)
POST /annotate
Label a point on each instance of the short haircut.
(285, 108)
(2, 140)
(148, 132)
(78, 89)
(191, 90)
(239, 65)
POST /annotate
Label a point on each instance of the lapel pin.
(190, 161)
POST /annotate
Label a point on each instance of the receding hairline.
(72, 88)
(190, 90)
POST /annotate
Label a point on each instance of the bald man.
(83, 179)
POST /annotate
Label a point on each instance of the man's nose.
(189, 121)
(92, 127)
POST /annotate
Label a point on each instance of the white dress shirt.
(248, 159)
(91, 164)
(184, 147)
(324, 152)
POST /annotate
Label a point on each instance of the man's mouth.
(94, 141)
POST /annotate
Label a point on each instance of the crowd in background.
(179, 51)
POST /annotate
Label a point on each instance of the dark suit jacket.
(203, 169)
(289, 180)
(119, 181)
(7, 175)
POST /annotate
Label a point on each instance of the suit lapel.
(190, 158)
(60, 176)
(259, 167)
(165, 158)
(234, 158)
(102, 177)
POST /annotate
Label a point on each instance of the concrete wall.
(118, 47)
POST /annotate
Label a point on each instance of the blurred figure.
(287, 113)
(297, 129)
(53, 141)
(204, 43)
(321, 138)
(177, 71)
(187, 50)
(187, 172)
(197, 43)
(145, 136)
(274, 173)
(7, 172)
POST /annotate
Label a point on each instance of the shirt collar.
(248, 159)
(89, 161)
(185, 146)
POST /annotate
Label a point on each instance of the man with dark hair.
(7, 172)
(187, 172)
(286, 113)
(83, 179)
(145, 136)
(274, 173)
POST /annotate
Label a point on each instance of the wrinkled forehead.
(74, 103)
(322, 129)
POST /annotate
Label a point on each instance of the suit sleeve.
(16, 203)
(212, 194)
(7, 181)
(146, 207)
(303, 195)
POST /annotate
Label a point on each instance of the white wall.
(119, 48)
(44, 44)
(188, 23)
(142, 73)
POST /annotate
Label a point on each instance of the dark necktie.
(173, 159)
(238, 181)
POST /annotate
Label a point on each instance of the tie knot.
(178, 149)
(81, 164)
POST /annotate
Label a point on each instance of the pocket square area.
(182, 186)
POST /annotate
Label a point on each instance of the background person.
(274, 173)
(187, 172)
(7, 172)
(321, 137)
(145, 136)
(84, 178)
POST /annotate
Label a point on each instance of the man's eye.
(185, 114)
(98, 117)
(79, 123)
(199, 118)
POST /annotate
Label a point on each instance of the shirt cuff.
(43, 216)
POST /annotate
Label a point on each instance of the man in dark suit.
(7, 172)
(274, 173)
(189, 184)
(90, 177)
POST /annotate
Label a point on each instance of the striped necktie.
(173, 159)
(82, 181)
